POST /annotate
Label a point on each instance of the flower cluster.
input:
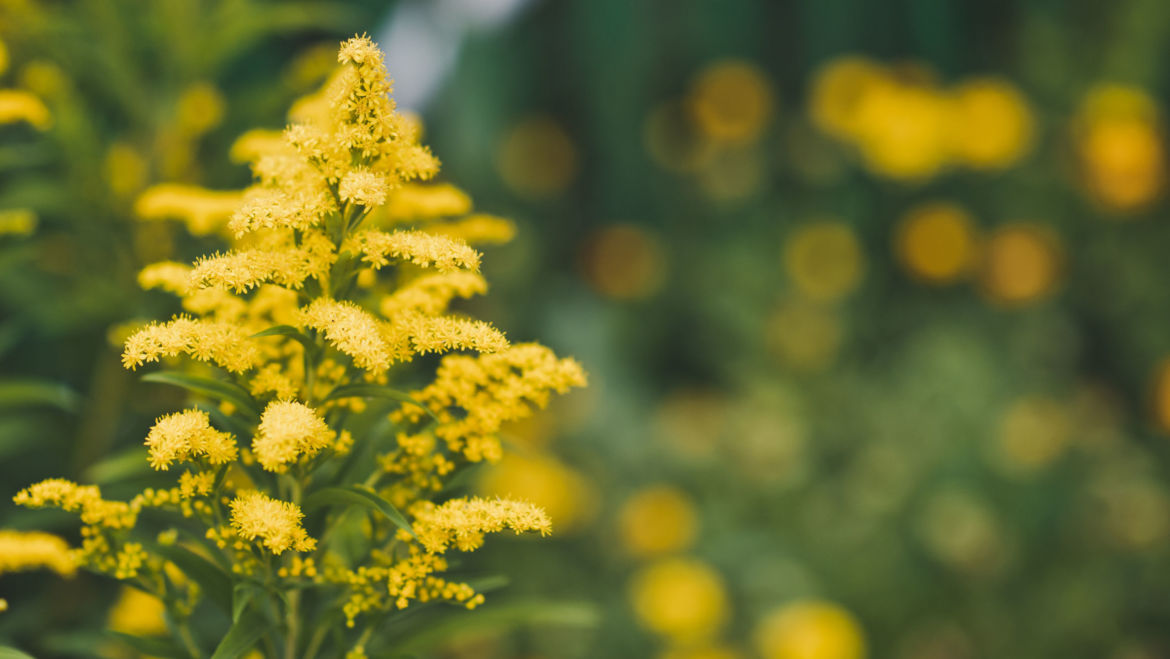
(302, 472)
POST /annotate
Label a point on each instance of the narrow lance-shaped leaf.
(355, 495)
(215, 389)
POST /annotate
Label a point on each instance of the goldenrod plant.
(314, 501)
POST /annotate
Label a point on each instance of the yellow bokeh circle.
(682, 599)
(1021, 263)
(657, 520)
(810, 630)
(936, 242)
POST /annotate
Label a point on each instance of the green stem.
(316, 641)
(189, 640)
(293, 621)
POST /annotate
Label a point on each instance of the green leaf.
(128, 464)
(289, 331)
(242, 595)
(215, 389)
(12, 653)
(500, 617)
(214, 581)
(242, 635)
(152, 646)
(375, 391)
(356, 495)
(27, 393)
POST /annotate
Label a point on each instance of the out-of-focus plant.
(303, 509)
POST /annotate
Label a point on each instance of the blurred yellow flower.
(657, 520)
(563, 493)
(992, 124)
(20, 106)
(1120, 141)
(682, 599)
(702, 652)
(731, 101)
(903, 130)
(810, 629)
(838, 90)
(138, 614)
(1021, 263)
(199, 109)
(936, 242)
(624, 262)
(824, 259)
(537, 158)
(1033, 433)
(17, 222)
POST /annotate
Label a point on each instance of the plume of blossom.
(224, 344)
(30, 550)
(427, 334)
(463, 522)
(363, 187)
(432, 294)
(352, 330)
(83, 499)
(491, 390)
(417, 247)
(276, 523)
(298, 204)
(290, 266)
(289, 430)
(185, 436)
(203, 211)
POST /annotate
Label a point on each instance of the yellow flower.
(1021, 263)
(422, 249)
(810, 630)
(29, 550)
(560, 491)
(903, 130)
(203, 211)
(1119, 137)
(992, 123)
(680, 598)
(657, 520)
(839, 89)
(276, 523)
(936, 242)
(17, 106)
(289, 430)
(224, 344)
(351, 330)
(138, 614)
(187, 435)
(462, 523)
(431, 294)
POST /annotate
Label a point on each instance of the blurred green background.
(871, 295)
